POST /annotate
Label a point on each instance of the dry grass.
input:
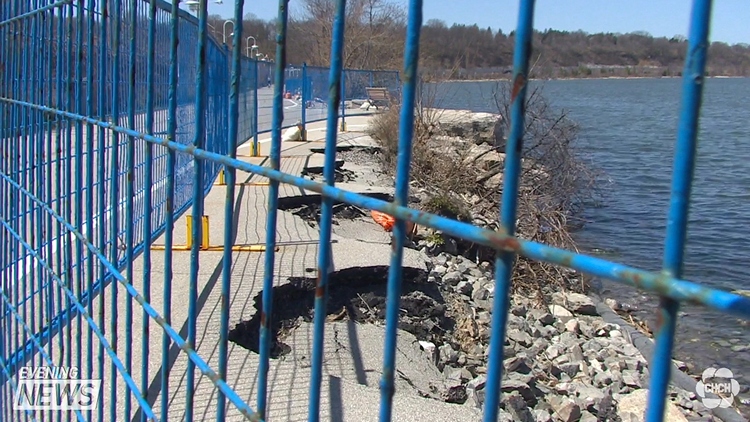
(463, 181)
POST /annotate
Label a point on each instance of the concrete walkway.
(353, 359)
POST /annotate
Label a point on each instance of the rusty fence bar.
(504, 260)
(105, 145)
(682, 177)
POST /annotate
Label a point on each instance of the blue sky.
(659, 17)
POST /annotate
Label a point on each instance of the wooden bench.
(378, 96)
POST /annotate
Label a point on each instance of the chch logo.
(721, 383)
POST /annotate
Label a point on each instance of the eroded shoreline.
(563, 361)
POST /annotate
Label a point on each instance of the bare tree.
(373, 37)
(462, 178)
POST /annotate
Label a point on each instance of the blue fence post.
(147, 204)
(229, 200)
(682, 177)
(173, 99)
(273, 211)
(343, 101)
(225, 169)
(101, 153)
(325, 257)
(202, 84)
(508, 207)
(130, 226)
(305, 94)
(401, 198)
(255, 153)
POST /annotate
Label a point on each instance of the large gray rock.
(541, 316)
(566, 409)
(576, 303)
(480, 128)
(520, 337)
(521, 384)
(484, 157)
(634, 404)
(560, 312)
(516, 406)
(520, 364)
(542, 415)
(588, 417)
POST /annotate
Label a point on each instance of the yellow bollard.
(204, 237)
(254, 153)
(189, 225)
(204, 241)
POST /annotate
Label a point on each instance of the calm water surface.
(628, 129)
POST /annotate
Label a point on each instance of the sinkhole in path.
(308, 208)
(358, 294)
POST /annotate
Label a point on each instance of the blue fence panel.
(77, 179)
(317, 89)
(316, 93)
(106, 144)
(247, 99)
(306, 91)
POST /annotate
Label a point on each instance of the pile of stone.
(479, 128)
(562, 362)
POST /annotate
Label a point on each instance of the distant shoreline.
(593, 78)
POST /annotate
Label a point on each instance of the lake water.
(628, 128)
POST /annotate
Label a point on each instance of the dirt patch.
(356, 293)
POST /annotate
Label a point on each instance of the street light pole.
(193, 4)
(224, 29)
(248, 48)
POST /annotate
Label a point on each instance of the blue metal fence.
(117, 117)
(306, 93)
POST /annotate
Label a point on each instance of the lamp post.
(253, 48)
(193, 4)
(224, 29)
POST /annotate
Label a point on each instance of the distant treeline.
(469, 52)
(376, 30)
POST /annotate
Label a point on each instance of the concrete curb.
(646, 346)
